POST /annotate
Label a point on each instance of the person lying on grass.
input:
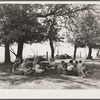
(61, 68)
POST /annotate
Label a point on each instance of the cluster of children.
(23, 68)
(76, 68)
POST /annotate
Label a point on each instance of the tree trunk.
(89, 53)
(75, 50)
(52, 48)
(20, 49)
(7, 53)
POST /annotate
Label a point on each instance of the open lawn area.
(50, 80)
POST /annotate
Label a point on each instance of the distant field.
(41, 49)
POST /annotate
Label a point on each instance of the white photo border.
(49, 93)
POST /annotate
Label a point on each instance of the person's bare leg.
(83, 75)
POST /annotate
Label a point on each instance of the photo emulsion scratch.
(50, 46)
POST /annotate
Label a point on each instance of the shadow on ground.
(74, 82)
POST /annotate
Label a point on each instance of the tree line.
(37, 23)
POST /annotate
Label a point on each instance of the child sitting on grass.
(25, 67)
(70, 66)
(61, 68)
(82, 70)
(16, 66)
(38, 68)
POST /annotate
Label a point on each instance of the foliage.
(20, 25)
(84, 30)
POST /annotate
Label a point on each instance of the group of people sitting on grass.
(23, 68)
(74, 67)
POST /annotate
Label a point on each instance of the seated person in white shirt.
(70, 65)
(38, 68)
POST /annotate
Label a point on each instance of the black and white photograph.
(50, 46)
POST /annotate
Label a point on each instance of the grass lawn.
(50, 80)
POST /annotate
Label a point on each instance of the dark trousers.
(72, 73)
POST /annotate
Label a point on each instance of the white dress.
(38, 69)
(70, 67)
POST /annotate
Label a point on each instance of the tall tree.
(22, 20)
(52, 33)
(85, 30)
(23, 27)
(90, 31)
(4, 34)
(58, 14)
(74, 35)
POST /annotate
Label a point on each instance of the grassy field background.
(50, 80)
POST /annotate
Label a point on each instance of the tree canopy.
(20, 22)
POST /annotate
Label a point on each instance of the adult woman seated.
(21, 68)
(25, 68)
(16, 67)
